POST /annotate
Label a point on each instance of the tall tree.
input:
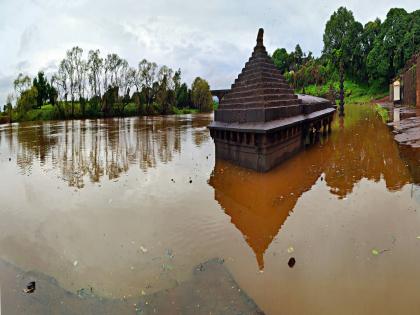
(397, 41)
(42, 86)
(95, 64)
(21, 83)
(281, 59)
(147, 72)
(342, 41)
(201, 95)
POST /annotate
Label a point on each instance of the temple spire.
(260, 37)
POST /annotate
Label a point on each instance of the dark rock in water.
(291, 262)
(30, 288)
(190, 181)
(10, 159)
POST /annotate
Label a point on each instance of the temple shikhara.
(260, 122)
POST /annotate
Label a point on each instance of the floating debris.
(75, 263)
(167, 267)
(170, 254)
(143, 249)
(376, 252)
(30, 287)
(291, 262)
(290, 250)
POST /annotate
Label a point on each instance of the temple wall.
(409, 79)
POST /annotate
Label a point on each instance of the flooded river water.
(129, 207)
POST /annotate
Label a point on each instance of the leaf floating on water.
(375, 252)
(290, 250)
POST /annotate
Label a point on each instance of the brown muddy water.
(122, 210)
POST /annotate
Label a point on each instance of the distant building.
(405, 89)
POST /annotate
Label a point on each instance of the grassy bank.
(353, 92)
(63, 111)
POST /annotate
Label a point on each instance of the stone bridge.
(219, 93)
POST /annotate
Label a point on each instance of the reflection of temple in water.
(259, 204)
(98, 148)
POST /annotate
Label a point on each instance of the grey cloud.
(211, 39)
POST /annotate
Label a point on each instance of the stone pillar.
(418, 82)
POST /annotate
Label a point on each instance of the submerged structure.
(260, 122)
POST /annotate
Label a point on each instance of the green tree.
(94, 66)
(281, 59)
(52, 93)
(42, 86)
(298, 56)
(342, 40)
(21, 83)
(342, 45)
(201, 95)
(183, 96)
(27, 100)
(397, 41)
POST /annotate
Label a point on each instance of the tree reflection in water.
(92, 149)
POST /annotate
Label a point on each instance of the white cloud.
(211, 39)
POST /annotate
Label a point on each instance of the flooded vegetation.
(109, 214)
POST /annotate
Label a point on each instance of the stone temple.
(260, 122)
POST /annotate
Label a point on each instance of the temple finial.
(260, 37)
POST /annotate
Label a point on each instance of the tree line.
(99, 86)
(370, 54)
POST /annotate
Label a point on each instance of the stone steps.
(279, 83)
(261, 73)
(245, 92)
(260, 66)
(259, 93)
(261, 104)
(256, 98)
(259, 86)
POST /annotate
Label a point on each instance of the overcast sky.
(210, 38)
